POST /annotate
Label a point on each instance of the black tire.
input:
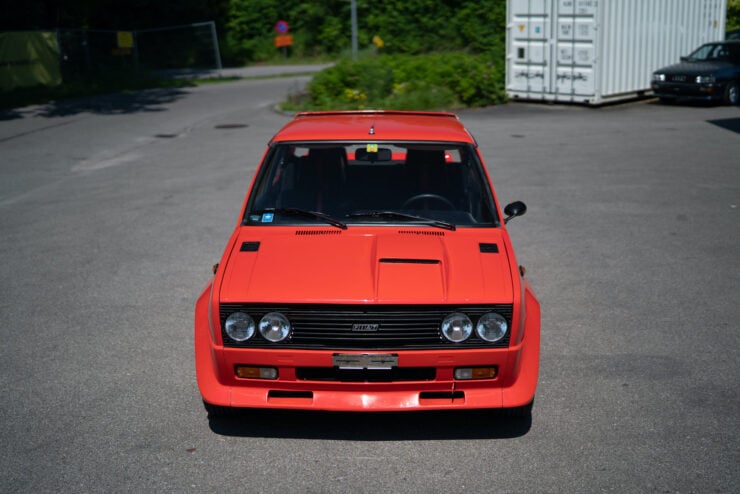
(216, 411)
(523, 412)
(732, 94)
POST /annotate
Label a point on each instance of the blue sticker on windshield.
(267, 217)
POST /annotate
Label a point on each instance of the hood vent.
(489, 248)
(394, 260)
(421, 232)
(318, 232)
(249, 247)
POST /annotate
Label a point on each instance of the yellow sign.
(125, 39)
(378, 41)
(371, 148)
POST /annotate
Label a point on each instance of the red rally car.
(370, 270)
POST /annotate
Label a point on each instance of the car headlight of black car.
(705, 79)
(658, 77)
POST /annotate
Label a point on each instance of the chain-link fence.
(90, 52)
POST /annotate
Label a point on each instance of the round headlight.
(274, 327)
(457, 327)
(491, 327)
(239, 326)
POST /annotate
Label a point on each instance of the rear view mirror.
(382, 154)
(514, 209)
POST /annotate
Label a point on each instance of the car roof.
(723, 42)
(376, 125)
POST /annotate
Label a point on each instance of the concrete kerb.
(244, 72)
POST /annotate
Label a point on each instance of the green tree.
(733, 14)
(405, 26)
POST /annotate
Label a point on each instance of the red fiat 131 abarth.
(370, 270)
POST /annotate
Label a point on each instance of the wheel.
(523, 412)
(216, 411)
(429, 197)
(732, 94)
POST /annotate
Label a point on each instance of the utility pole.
(353, 9)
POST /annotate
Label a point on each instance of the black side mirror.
(514, 209)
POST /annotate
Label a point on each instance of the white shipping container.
(598, 51)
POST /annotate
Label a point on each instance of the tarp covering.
(29, 58)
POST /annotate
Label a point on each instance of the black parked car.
(710, 73)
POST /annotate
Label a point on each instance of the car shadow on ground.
(148, 100)
(731, 124)
(388, 426)
(9, 114)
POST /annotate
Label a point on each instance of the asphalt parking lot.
(113, 210)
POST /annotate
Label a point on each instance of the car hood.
(380, 265)
(695, 68)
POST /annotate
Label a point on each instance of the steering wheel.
(430, 197)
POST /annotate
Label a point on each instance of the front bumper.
(514, 385)
(688, 91)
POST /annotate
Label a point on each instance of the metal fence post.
(216, 50)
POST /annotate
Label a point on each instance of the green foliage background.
(320, 27)
(405, 26)
(435, 53)
(733, 14)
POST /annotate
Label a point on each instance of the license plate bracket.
(362, 361)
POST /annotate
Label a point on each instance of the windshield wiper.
(307, 214)
(402, 216)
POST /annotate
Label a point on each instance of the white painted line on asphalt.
(92, 164)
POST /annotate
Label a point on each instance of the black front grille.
(396, 374)
(366, 326)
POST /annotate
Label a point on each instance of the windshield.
(372, 183)
(716, 52)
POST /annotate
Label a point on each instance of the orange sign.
(284, 40)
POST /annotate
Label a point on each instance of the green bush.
(351, 85)
(413, 82)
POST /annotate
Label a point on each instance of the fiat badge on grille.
(365, 327)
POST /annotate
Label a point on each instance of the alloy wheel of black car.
(732, 94)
